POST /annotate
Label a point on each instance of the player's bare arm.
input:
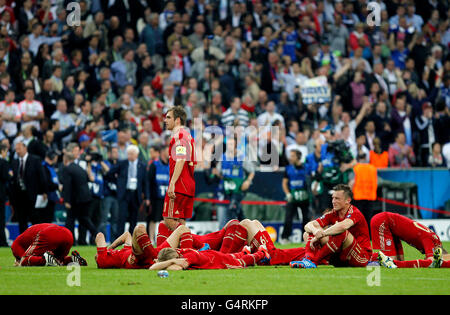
(164, 265)
(125, 238)
(339, 227)
(176, 174)
(313, 227)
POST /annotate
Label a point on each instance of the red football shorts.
(56, 239)
(354, 255)
(181, 207)
(382, 237)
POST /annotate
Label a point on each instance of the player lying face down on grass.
(138, 251)
(234, 236)
(179, 200)
(178, 259)
(390, 229)
(230, 239)
(346, 242)
(45, 244)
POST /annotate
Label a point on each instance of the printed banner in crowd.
(316, 90)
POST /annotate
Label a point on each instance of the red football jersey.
(359, 230)
(113, 258)
(24, 240)
(209, 259)
(412, 232)
(182, 146)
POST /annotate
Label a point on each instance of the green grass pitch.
(259, 280)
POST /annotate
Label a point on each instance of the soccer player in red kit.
(258, 236)
(138, 251)
(346, 242)
(179, 200)
(45, 244)
(177, 259)
(389, 229)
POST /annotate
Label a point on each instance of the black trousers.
(3, 241)
(291, 213)
(24, 210)
(128, 211)
(47, 214)
(367, 209)
(80, 212)
(93, 213)
(235, 210)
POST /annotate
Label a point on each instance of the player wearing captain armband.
(297, 195)
(179, 199)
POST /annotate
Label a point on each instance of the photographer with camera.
(335, 166)
(237, 176)
(96, 169)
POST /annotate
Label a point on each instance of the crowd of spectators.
(107, 82)
(230, 63)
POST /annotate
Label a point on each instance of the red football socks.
(333, 245)
(234, 239)
(33, 261)
(418, 263)
(186, 240)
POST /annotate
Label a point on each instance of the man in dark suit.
(4, 181)
(77, 197)
(132, 188)
(28, 183)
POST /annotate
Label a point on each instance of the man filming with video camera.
(335, 166)
(96, 169)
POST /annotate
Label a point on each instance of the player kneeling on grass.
(389, 229)
(345, 243)
(45, 244)
(138, 251)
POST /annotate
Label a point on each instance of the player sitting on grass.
(390, 229)
(346, 242)
(45, 244)
(138, 251)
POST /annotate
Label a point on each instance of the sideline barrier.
(440, 226)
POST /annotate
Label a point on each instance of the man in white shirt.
(36, 38)
(31, 110)
(235, 115)
(10, 113)
(65, 120)
(269, 116)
